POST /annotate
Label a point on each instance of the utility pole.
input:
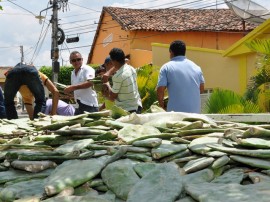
(22, 54)
(54, 48)
(58, 35)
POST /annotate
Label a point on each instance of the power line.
(38, 47)
(5, 47)
(154, 10)
(22, 7)
(83, 27)
(140, 3)
(161, 33)
(40, 36)
(84, 7)
(77, 21)
(15, 14)
(195, 3)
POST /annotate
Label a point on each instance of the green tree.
(63, 76)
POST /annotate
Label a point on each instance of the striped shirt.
(125, 85)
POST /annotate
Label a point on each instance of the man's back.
(182, 78)
(125, 84)
(63, 108)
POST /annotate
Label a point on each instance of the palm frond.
(232, 109)
(250, 107)
(259, 45)
(220, 99)
(147, 77)
(228, 102)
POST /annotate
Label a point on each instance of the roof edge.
(251, 35)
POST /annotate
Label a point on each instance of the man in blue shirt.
(183, 79)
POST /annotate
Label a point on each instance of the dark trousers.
(2, 105)
(83, 107)
(138, 111)
(23, 75)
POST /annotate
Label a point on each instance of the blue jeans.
(20, 75)
(2, 105)
(83, 107)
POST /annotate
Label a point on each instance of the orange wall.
(111, 32)
(137, 55)
(219, 41)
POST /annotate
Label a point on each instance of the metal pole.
(22, 55)
(19, 98)
(55, 50)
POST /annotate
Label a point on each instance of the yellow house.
(230, 68)
(135, 30)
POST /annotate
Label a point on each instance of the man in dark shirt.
(23, 74)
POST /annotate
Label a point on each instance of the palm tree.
(147, 77)
(258, 88)
(224, 101)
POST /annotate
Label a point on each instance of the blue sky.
(19, 27)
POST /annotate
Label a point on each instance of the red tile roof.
(178, 20)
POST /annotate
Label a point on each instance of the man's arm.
(30, 111)
(55, 96)
(86, 84)
(160, 95)
(107, 92)
(108, 74)
(201, 88)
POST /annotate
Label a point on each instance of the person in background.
(108, 63)
(100, 71)
(183, 79)
(63, 108)
(110, 70)
(124, 91)
(18, 76)
(2, 105)
(107, 66)
(81, 85)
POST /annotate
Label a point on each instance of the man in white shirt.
(81, 85)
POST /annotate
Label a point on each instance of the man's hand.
(108, 74)
(105, 77)
(69, 89)
(105, 89)
(160, 96)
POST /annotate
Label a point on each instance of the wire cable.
(22, 7)
(210, 4)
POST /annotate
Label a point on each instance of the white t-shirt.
(86, 96)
